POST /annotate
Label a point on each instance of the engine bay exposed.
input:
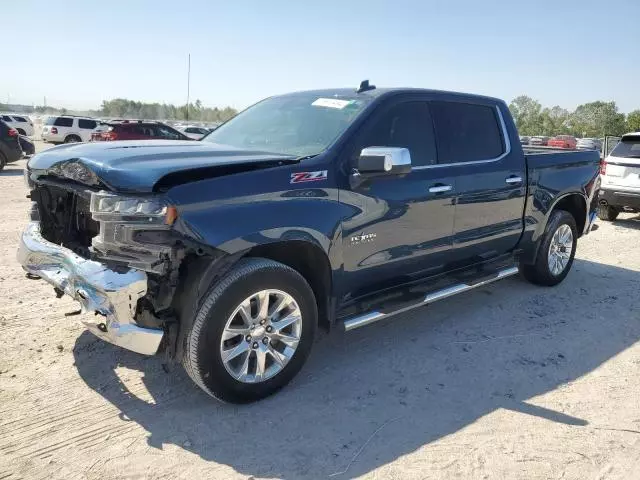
(65, 217)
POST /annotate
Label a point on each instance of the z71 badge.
(301, 177)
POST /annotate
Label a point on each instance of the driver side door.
(402, 226)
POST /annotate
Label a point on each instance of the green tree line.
(123, 108)
(594, 119)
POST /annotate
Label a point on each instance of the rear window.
(466, 132)
(90, 124)
(627, 148)
(61, 122)
(20, 119)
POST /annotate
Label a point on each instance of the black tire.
(21, 131)
(202, 359)
(3, 161)
(539, 273)
(72, 139)
(607, 213)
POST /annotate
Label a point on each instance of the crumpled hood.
(138, 165)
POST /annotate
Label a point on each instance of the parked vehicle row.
(307, 210)
(136, 130)
(22, 123)
(563, 141)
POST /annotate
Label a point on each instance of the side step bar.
(371, 317)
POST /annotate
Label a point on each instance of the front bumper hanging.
(113, 295)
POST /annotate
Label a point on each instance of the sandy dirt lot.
(510, 381)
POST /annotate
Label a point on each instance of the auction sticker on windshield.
(331, 103)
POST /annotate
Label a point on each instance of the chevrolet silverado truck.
(309, 210)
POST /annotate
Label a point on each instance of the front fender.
(233, 224)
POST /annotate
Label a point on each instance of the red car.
(563, 141)
(136, 130)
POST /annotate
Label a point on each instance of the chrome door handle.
(511, 180)
(440, 188)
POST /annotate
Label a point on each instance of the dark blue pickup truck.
(313, 209)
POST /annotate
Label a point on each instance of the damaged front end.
(118, 256)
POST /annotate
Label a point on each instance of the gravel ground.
(508, 381)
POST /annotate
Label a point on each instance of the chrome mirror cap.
(384, 160)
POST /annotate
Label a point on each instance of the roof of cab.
(378, 92)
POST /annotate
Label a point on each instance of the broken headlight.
(126, 225)
(107, 207)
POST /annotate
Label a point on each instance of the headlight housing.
(106, 207)
(133, 230)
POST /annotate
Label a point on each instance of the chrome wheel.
(560, 249)
(261, 336)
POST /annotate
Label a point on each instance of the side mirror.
(384, 160)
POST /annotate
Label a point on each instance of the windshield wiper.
(306, 157)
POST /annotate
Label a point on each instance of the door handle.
(513, 179)
(440, 188)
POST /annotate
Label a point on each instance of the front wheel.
(253, 332)
(72, 139)
(556, 253)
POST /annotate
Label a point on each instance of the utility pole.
(188, 83)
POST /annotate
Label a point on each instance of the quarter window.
(90, 124)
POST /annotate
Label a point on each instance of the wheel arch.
(576, 204)
(573, 202)
(310, 261)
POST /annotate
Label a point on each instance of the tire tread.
(244, 268)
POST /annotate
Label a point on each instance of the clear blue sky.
(78, 53)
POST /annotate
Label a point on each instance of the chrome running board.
(371, 317)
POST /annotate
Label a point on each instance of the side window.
(167, 133)
(20, 119)
(63, 122)
(466, 132)
(406, 125)
(90, 124)
(7, 118)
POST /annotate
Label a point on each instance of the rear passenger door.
(490, 177)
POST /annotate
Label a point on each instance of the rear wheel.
(72, 139)
(253, 332)
(3, 161)
(607, 213)
(556, 253)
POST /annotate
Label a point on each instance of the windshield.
(298, 125)
(627, 148)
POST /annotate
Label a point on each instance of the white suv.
(21, 123)
(620, 175)
(68, 129)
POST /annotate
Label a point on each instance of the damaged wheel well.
(312, 263)
(198, 273)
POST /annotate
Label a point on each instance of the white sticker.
(331, 103)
